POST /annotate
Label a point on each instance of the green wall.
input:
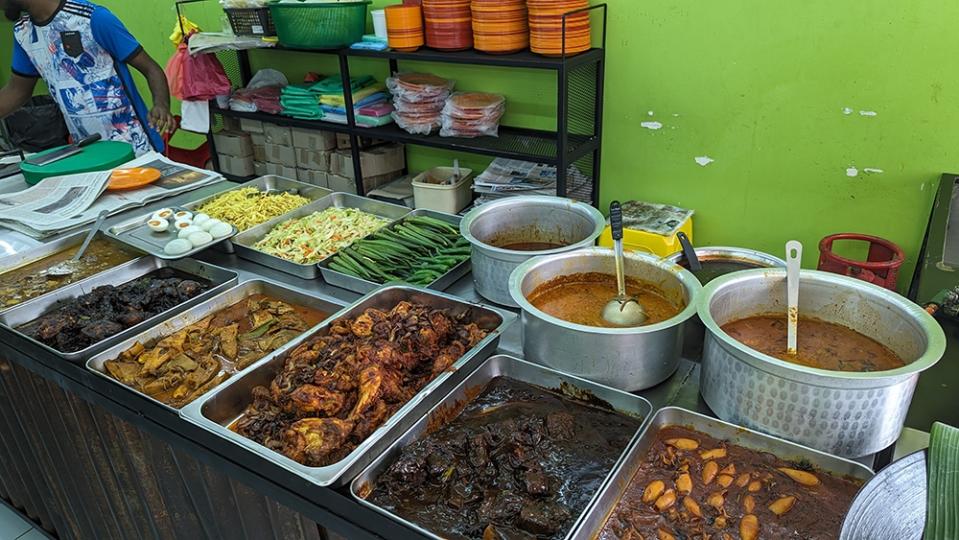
(760, 87)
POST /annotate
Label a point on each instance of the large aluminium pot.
(843, 413)
(718, 261)
(630, 359)
(511, 220)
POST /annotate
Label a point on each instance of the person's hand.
(161, 120)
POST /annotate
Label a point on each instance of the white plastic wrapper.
(472, 114)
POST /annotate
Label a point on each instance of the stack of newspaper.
(506, 177)
(65, 203)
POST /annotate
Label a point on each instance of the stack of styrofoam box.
(379, 165)
(234, 151)
(313, 149)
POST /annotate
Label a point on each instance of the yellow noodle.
(247, 207)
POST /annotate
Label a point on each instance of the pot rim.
(935, 337)
(599, 222)
(686, 278)
(746, 254)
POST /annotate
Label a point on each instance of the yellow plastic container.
(658, 238)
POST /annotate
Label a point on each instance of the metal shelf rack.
(574, 147)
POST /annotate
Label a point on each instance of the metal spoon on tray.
(70, 266)
(793, 260)
(624, 310)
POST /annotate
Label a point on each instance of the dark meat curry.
(185, 365)
(820, 344)
(692, 485)
(335, 389)
(32, 280)
(530, 246)
(580, 299)
(109, 310)
(519, 462)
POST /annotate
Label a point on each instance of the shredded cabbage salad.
(310, 239)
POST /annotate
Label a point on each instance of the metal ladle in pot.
(624, 310)
(70, 266)
(793, 260)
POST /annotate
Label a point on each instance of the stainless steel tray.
(497, 366)
(266, 183)
(135, 233)
(244, 241)
(223, 406)
(609, 497)
(362, 286)
(30, 256)
(220, 279)
(209, 307)
(891, 505)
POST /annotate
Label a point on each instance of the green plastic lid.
(99, 156)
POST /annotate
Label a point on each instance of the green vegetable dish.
(310, 239)
(418, 251)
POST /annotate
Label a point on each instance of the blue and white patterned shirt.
(81, 53)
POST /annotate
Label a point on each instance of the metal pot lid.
(685, 277)
(466, 224)
(892, 504)
(935, 337)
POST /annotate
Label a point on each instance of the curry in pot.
(820, 344)
(580, 299)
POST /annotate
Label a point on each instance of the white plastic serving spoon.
(793, 261)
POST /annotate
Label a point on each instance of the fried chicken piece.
(311, 440)
(402, 309)
(373, 418)
(441, 323)
(362, 326)
(447, 357)
(313, 400)
(371, 389)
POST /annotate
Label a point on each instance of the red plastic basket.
(881, 266)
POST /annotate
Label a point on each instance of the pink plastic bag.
(174, 72)
(202, 77)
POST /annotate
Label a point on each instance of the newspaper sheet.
(73, 201)
(505, 177)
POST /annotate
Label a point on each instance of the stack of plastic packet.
(371, 106)
(301, 101)
(418, 99)
(472, 114)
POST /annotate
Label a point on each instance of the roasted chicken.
(183, 366)
(337, 388)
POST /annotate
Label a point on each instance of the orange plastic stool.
(881, 266)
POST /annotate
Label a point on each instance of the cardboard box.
(314, 160)
(317, 178)
(281, 135)
(280, 170)
(341, 184)
(251, 126)
(233, 143)
(313, 139)
(347, 185)
(280, 155)
(376, 161)
(236, 166)
(259, 146)
(232, 124)
(343, 141)
(258, 139)
(260, 168)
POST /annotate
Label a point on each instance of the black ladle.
(689, 252)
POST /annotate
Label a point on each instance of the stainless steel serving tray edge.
(221, 279)
(270, 182)
(30, 256)
(362, 286)
(236, 391)
(243, 242)
(209, 307)
(604, 505)
(518, 369)
(123, 232)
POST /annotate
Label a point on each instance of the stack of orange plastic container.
(500, 26)
(404, 25)
(448, 24)
(546, 27)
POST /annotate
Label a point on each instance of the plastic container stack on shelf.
(546, 27)
(472, 114)
(419, 99)
(500, 26)
(404, 26)
(448, 24)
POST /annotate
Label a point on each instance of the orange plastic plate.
(124, 179)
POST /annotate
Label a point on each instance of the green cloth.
(334, 85)
(301, 101)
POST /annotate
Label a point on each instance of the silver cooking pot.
(512, 220)
(695, 332)
(630, 359)
(844, 413)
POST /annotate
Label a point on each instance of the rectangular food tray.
(209, 307)
(30, 256)
(220, 280)
(604, 505)
(497, 366)
(220, 408)
(362, 286)
(266, 183)
(243, 242)
(134, 232)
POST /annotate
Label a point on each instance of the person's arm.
(160, 117)
(16, 93)
(112, 35)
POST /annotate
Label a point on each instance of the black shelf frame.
(577, 139)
